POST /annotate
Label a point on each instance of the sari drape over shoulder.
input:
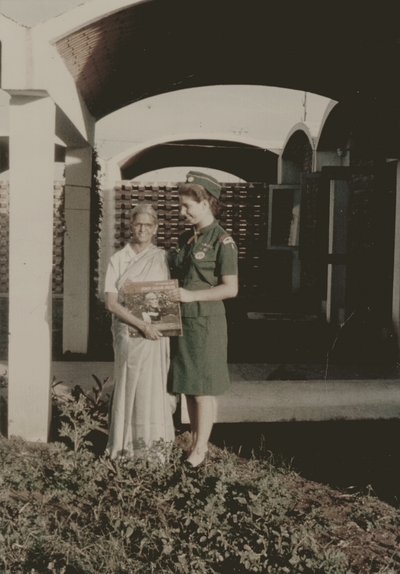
(140, 408)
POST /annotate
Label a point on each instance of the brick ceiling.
(163, 45)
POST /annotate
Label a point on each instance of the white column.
(32, 126)
(338, 215)
(78, 174)
(396, 269)
(107, 238)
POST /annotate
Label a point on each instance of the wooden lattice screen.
(244, 216)
(58, 236)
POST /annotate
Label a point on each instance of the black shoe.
(201, 464)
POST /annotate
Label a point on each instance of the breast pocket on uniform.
(206, 259)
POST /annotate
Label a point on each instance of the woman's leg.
(201, 415)
(192, 412)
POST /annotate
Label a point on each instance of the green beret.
(207, 181)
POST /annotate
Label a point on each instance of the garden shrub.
(65, 510)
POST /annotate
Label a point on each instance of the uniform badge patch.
(228, 240)
(200, 255)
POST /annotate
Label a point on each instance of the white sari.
(140, 408)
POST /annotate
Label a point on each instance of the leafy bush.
(66, 510)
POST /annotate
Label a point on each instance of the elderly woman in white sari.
(140, 410)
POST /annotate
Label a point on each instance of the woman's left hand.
(151, 332)
(181, 295)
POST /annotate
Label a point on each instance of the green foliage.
(366, 517)
(3, 380)
(96, 211)
(94, 404)
(96, 401)
(66, 511)
(100, 340)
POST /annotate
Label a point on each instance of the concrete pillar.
(336, 290)
(112, 174)
(396, 270)
(32, 126)
(78, 175)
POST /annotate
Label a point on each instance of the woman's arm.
(146, 317)
(227, 289)
(112, 304)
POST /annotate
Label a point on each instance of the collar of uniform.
(203, 230)
(208, 227)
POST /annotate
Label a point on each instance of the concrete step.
(274, 393)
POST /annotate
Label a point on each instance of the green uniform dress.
(199, 363)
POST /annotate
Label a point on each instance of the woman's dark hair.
(198, 193)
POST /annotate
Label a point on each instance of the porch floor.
(277, 392)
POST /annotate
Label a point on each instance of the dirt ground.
(367, 531)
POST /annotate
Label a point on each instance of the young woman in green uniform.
(206, 263)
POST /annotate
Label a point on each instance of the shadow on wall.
(296, 338)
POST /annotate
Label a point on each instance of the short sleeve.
(111, 277)
(165, 264)
(228, 257)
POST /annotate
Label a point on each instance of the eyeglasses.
(146, 226)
